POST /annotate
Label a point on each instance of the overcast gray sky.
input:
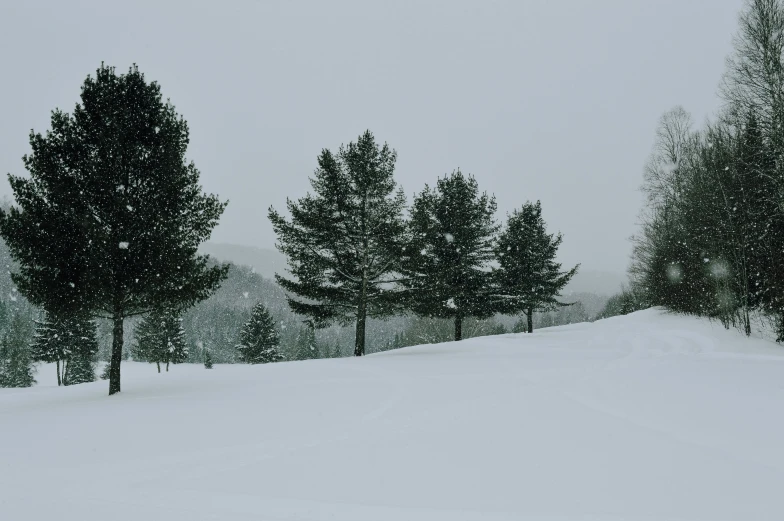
(538, 99)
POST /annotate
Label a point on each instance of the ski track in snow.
(645, 417)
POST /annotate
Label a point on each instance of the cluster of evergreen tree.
(713, 229)
(108, 222)
(160, 339)
(70, 343)
(354, 256)
(105, 230)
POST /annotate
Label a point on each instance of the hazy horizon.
(556, 102)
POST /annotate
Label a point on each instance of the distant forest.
(215, 323)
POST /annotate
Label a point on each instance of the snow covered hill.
(644, 417)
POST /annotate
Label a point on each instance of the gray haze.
(541, 99)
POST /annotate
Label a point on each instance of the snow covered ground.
(644, 417)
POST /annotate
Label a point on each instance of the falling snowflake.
(124, 245)
(449, 237)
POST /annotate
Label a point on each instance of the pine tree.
(305, 346)
(497, 328)
(521, 326)
(68, 342)
(344, 242)
(207, 359)
(16, 364)
(160, 339)
(528, 278)
(83, 346)
(48, 347)
(259, 339)
(447, 264)
(336, 351)
(109, 220)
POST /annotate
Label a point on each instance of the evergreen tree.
(343, 243)
(259, 339)
(70, 343)
(306, 347)
(497, 328)
(207, 359)
(528, 278)
(336, 351)
(521, 326)
(447, 265)
(48, 347)
(109, 220)
(83, 347)
(16, 364)
(160, 339)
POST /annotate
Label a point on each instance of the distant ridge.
(267, 262)
(594, 281)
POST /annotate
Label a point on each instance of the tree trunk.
(359, 342)
(117, 347)
(65, 372)
(159, 367)
(780, 336)
(59, 380)
(746, 321)
(458, 328)
(530, 314)
(167, 366)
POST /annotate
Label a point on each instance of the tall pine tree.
(110, 218)
(528, 278)
(344, 242)
(259, 339)
(447, 264)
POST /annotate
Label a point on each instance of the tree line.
(354, 255)
(107, 224)
(712, 230)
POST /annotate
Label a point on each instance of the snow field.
(649, 416)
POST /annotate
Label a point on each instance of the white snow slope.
(644, 417)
